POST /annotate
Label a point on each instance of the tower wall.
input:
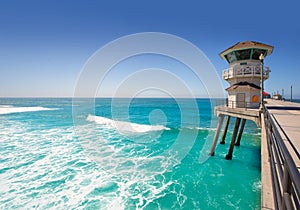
(244, 73)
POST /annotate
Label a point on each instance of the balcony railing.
(247, 71)
(242, 104)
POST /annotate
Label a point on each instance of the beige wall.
(249, 93)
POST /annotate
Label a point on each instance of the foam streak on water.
(9, 109)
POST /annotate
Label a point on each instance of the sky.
(44, 45)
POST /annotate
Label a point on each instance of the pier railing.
(242, 104)
(247, 71)
(285, 175)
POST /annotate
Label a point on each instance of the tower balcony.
(247, 71)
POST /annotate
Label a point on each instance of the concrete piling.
(213, 147)
(240, 133)
(225, 130)
(236, 128)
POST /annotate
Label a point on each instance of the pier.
(280, 157)
(280, 146)
(279, 122)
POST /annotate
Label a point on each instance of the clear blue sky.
(44, 44)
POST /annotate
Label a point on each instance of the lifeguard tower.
(244, 73)
(245, 76)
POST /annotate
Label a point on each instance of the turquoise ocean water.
(141, 154)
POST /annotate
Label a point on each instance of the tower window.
(230, 57)
(256, 53)
(243, 54)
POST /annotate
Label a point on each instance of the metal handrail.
(285, 175)
(242, 104)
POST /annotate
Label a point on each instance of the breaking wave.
(125, 126)
(10, 109)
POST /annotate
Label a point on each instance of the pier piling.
(225, 130)
(236, 128)
(213, 147)
(240, 133)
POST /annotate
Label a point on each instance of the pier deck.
(286, 118)
(287, 115)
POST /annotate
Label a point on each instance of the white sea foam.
(5, 106)
(9, 109)
(64, 176)
(125, 126)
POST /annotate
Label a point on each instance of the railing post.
(286, 189)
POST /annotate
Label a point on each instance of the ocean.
(142, 153)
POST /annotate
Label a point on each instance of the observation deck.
(247, 71)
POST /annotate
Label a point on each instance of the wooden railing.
(245, 72)
(285, 175)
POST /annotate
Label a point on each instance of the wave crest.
(10, 109)
(125, 126)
